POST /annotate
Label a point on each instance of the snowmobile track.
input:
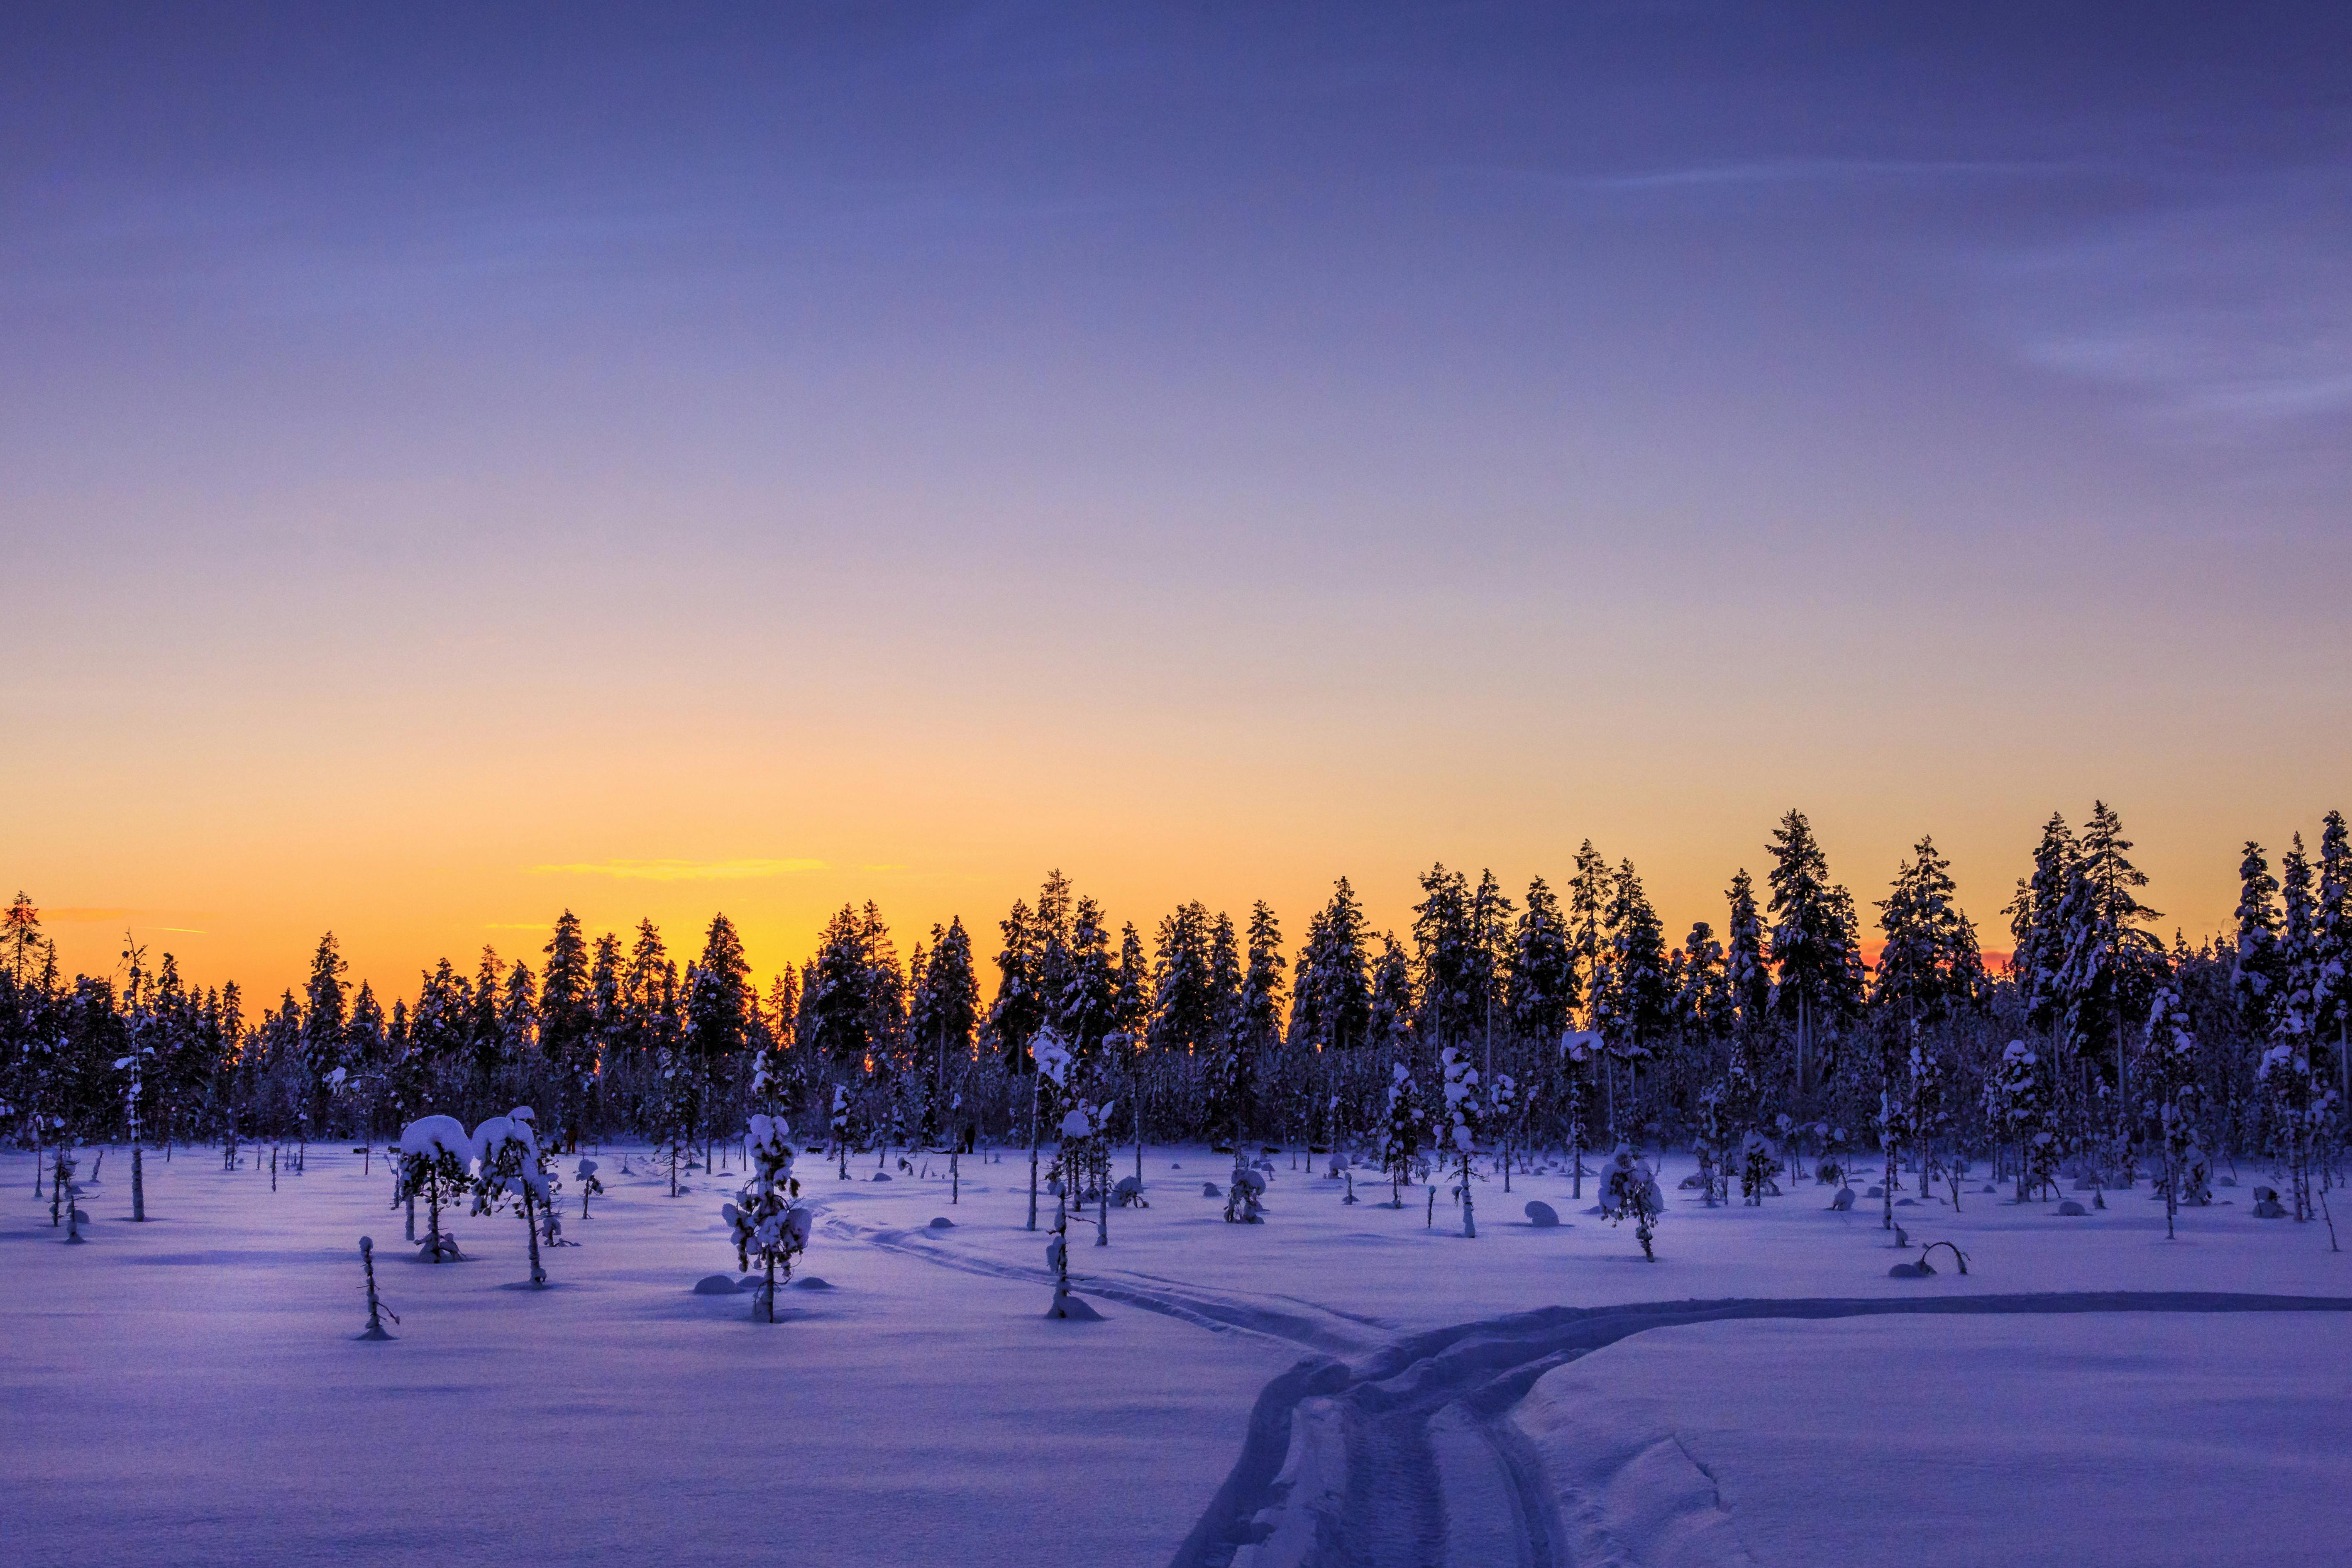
(1425, 1423)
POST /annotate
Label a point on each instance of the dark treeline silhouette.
(2098, 1047)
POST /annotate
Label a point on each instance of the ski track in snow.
(1405, 1456)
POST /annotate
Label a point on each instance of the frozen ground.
(1340, 1385)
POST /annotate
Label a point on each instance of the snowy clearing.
(187, 1391)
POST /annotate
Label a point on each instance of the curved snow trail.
(1408, 1458)
(1297, 1324)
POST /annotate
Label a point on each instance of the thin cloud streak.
(681, 870)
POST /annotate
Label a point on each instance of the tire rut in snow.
(1280, 1505)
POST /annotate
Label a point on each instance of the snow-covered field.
(1340, 1385)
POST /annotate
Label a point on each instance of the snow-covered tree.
(1400, 1132)
(2171, 1084)
(2332, 949)
(1461, 1113)
(2112, 963)
(507, 1170)
(770, 1223)
(436, 1155)
(1629, 1190)
(1759, 1166)
(1745, 970)
(2035, 932)
(2021, 1099)
(2255, 972)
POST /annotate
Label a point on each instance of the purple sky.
(1221, 447)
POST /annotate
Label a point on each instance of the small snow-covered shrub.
(436, 1155)
(1629, 1190)
(506, 1170)
(771, 1223)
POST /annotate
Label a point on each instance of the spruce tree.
(2038, 937)
(1746, 971)
(1443, 942)
(1541, 981)
(2170, 1083)
(718, 1006)
(1400, 1132)
(1459, 1084)
(1810, 947)
(2256, 972)
(2332, 949)
(2111, 965)
(567, 1022)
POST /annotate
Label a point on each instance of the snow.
(427, 1135)
(1913, 1437)
(201, 1400)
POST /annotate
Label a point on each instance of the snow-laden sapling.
(1400, 1133)
(61, 1175)
(1760, 1162)
(506, 1170)
(589, 1185)
(435, 1155)
(377, 1310)
(2171, 1077)
(134, 1062)
(1461, 1126)
(771, 1223)
(64, 1188)
(1629, 1190)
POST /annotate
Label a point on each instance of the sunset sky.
(457, 465)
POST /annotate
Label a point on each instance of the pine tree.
(1929, 964)
(1084, 1008)
(507, 1168)
(567, 1021)
(1588, 904)
(1459, 1083)
(324, 1020)
(719, 1006)
(2332, 949)
(2171, 1082)
(1186, 1008)
(1746, 972)
(2021, 1099)
(1331, 996)
(1810, 947)
(2038, 938)
(770, 1223)
(1400, 1132)
(1487, 973)
(1629, 1190)
(1541, 986)
(2112, 966)
(1443, 944)
(436, 1155)
(2256, 974)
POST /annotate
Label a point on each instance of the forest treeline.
(2097, 1040)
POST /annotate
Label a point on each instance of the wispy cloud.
(1778, 172)
(681, 870)
(2233, 313)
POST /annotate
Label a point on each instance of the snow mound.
(811, 1282)
(1541, 1214)
(942, 1222)
(715, 1285)
(1072, 1309)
